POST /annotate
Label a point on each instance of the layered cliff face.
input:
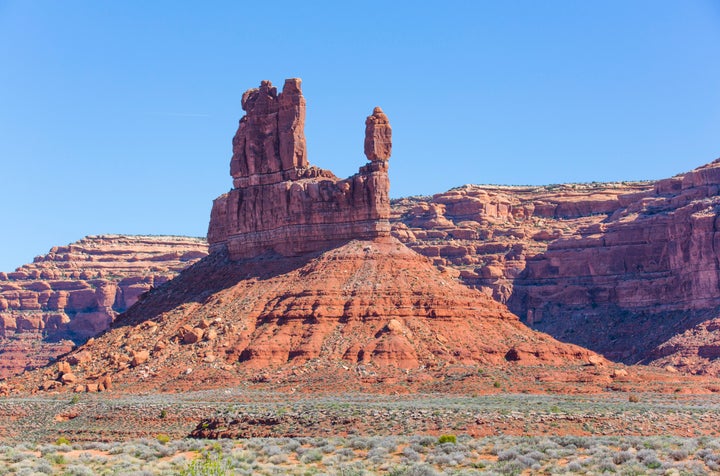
(304, 281)
(619, 268)
(280, 203)
(75, 291)
(651, 269)
(486, 234)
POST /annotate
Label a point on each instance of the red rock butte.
(279, 202)
(304, 278)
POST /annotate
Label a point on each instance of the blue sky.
(117, 117)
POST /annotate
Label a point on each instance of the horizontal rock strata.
(75, 291)
(619, 268)
(279, 202)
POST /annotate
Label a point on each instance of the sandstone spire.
(279, 202)
(378, 136)
(271, 135)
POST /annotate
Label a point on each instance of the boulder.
(139, 357)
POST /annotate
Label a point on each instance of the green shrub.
(447, 439)
(312, 456)
(208, 465)
(163, 438)
(163, 413)
(62, 441)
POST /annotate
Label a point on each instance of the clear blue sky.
(117, 117)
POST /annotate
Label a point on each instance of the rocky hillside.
(75, 291)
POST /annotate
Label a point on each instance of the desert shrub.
(526, 461)
(346, 453)
(312, 456)
(606, 465)
(410, 454)
(163, 438)
(707, 454)
(24, 467)
(441, 460)
(208, 465)
(377, 455)
(633, 398)
(360, 443)
(678, 455)
(423, 440)
(96, 445)
(327, 449)
(319, 442)
(278, 459)
(271, 450)
(507, 455)
(644, 455)
(622, 457)
(77, 470)
(513, 467)
(414, 470)
(43, 467)
(574, 467)
(447, 439)
(354, 469)
(536, 455)
(62, 441)
(17, 456)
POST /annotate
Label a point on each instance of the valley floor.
(280, 433)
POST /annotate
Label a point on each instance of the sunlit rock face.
(279, 202)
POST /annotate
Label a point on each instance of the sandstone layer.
(618, 268)
(75, 291)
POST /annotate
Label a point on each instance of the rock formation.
(75, 291)
(378, 136)
(281, 204)
(304, 282)
(628, 269)
(618, 268)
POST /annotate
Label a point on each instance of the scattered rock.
(139, 357)
(191, 335)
